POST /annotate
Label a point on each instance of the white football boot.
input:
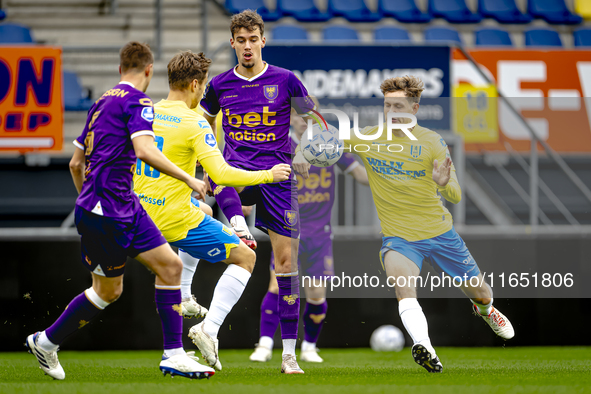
(498, 322)
(425, 359)
(185, 365)
(48, 361)
(290, 365)
(190, 308)
(207, 345)
(311, 356)
(261, 354)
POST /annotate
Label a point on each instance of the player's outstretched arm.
(146, 151)
(77, 168)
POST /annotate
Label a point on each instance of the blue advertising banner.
(348, 77)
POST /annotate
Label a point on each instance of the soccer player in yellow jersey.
(185, 138)
(405, 176)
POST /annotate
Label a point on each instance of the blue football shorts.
(446, 253)
(211, 240)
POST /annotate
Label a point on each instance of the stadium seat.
(542, 38)
(74, 97)
(405, 11)
(503, 11)
(582, 37)
(389, 33)
(553, 11)
(353, 10)
(302, 10)
(237, 6)
(12, 33)
(583, 8)
(442, 34)
(289, 33)
(339, 33)
(454, 11)
(2, 15)
(493, 38)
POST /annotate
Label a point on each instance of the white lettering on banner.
(360, 83)
(510, 76)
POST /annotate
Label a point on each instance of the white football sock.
(415, 322)
(238, 222)
(308, 346)
(44, 343)
(173, 352)
(226, 294)
(289, 346)
(189, 268)
(484, 310)
(266, 342)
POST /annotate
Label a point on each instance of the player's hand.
(442, 173)
(301, 165)
(281, 172)
(208, 189)
(199, 187)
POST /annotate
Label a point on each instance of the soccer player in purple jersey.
(111, 222)
(315, 197)
(256, 100)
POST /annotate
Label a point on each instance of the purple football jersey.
(316, 195)
(120, 115)
(256, 114)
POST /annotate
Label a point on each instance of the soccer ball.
(324, 149)
(387, 338)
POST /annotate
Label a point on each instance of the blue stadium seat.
(339, 33)
(582, 37)
(504, 11)
(74, 96)
(405, 11)
(13, 33)
(553, 11)
(442, 34)
(237, 6)
(302, 10)
(2, 15)
(289, 33)
(353, 10)
(454, 11)
(389, 33)
(542, 38)
(493, 38)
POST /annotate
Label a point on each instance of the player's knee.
(171, 272)
(249, 260)
(110, 295)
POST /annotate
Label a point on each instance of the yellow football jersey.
(184, 137)
(401, 183)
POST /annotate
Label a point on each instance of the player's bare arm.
(77, 168)
(146, 151)
(442, 173)
(360, 175)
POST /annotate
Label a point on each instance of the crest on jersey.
(210, 140)
(415, 151)
(271, 91)
(291, 218)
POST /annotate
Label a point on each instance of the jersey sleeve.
(452, 191)
(210, 104)
(140, 113)
(212, 161)
(300, 99)
(347, 162)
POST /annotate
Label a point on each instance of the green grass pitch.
(466, 370)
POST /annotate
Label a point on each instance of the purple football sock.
(79, 312)
(269, 315)
(168, 304)
(227, 199)
(289, 305)
(313, 320)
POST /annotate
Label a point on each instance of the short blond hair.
(186, 67)
(409, 84)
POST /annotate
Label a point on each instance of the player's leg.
(314, 315)
(79, 312)
(229, 202)
(263, 351)
(403, 270)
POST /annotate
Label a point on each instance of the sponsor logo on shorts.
(214, 252)
(210, 140)
(290, 299)
(227, 231)
(317, 318)
(291, 217)
(148, 114)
